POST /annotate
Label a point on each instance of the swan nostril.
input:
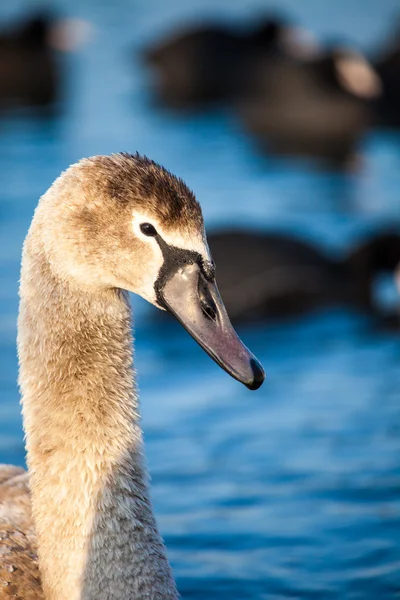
(206, 300)
(209, 312)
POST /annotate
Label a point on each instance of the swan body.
(19, 568)
(108, 224)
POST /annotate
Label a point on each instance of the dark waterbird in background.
(292, 96)
(318, 107)
(206, 63)
(388, 67)
(267, 275)
(30, 71)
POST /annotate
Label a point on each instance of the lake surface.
(290, 492)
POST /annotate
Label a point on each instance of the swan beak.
(198, 306)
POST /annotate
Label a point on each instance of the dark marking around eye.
(148, 229)
(173, 259)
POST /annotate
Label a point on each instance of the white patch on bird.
(300, 43)
(195, 242)
(358, 76)
(69, 35)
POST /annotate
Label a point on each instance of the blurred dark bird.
(271, 275)
(317, 107)
(388, 67)
(206, 64)
(30, 72)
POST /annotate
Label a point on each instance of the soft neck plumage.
(96, 532)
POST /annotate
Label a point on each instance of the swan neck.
(96, 532)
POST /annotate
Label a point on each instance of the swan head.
(122, 221)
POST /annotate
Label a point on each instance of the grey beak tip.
(258, 375)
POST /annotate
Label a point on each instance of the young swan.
(107, 224)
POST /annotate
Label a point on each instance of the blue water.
(290, 492)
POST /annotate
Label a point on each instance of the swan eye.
(148, 229)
